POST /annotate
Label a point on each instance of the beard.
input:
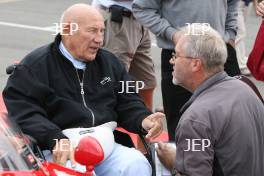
(174, 81)
(179, 83)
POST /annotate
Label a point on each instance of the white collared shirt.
(76, 63)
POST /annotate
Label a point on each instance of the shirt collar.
(218, 77)
(76, 63)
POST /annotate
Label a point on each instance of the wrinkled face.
(85, 42)
(181, 65)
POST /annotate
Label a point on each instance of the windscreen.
(15, 154)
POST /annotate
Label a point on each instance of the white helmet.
(103, 134)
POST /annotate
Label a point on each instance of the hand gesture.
(153, 124)
(260, 9)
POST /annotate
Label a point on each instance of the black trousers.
(174, 97)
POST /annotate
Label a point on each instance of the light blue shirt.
(76, 63)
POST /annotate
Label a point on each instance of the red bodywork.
(49, 169)
(2, 105)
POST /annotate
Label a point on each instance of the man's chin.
(89, 58)
(175, 82)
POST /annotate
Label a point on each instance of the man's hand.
(167, 155)
(153, 125)
(62, 152)
(260, 9)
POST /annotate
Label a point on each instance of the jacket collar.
(218, 77)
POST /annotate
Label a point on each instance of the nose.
(99, 37)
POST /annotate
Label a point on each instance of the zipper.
(82, 94)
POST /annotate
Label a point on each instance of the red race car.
(17, 158)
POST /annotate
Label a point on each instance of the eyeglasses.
(175, 56)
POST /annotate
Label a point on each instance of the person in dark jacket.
(72, 83)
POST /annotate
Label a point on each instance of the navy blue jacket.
(43, 95)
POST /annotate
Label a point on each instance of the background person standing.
(130, 42)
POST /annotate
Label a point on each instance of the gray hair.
(203, 42)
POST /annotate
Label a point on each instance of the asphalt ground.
(28, 24)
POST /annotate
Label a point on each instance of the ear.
(66, 29)
(197, 65)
